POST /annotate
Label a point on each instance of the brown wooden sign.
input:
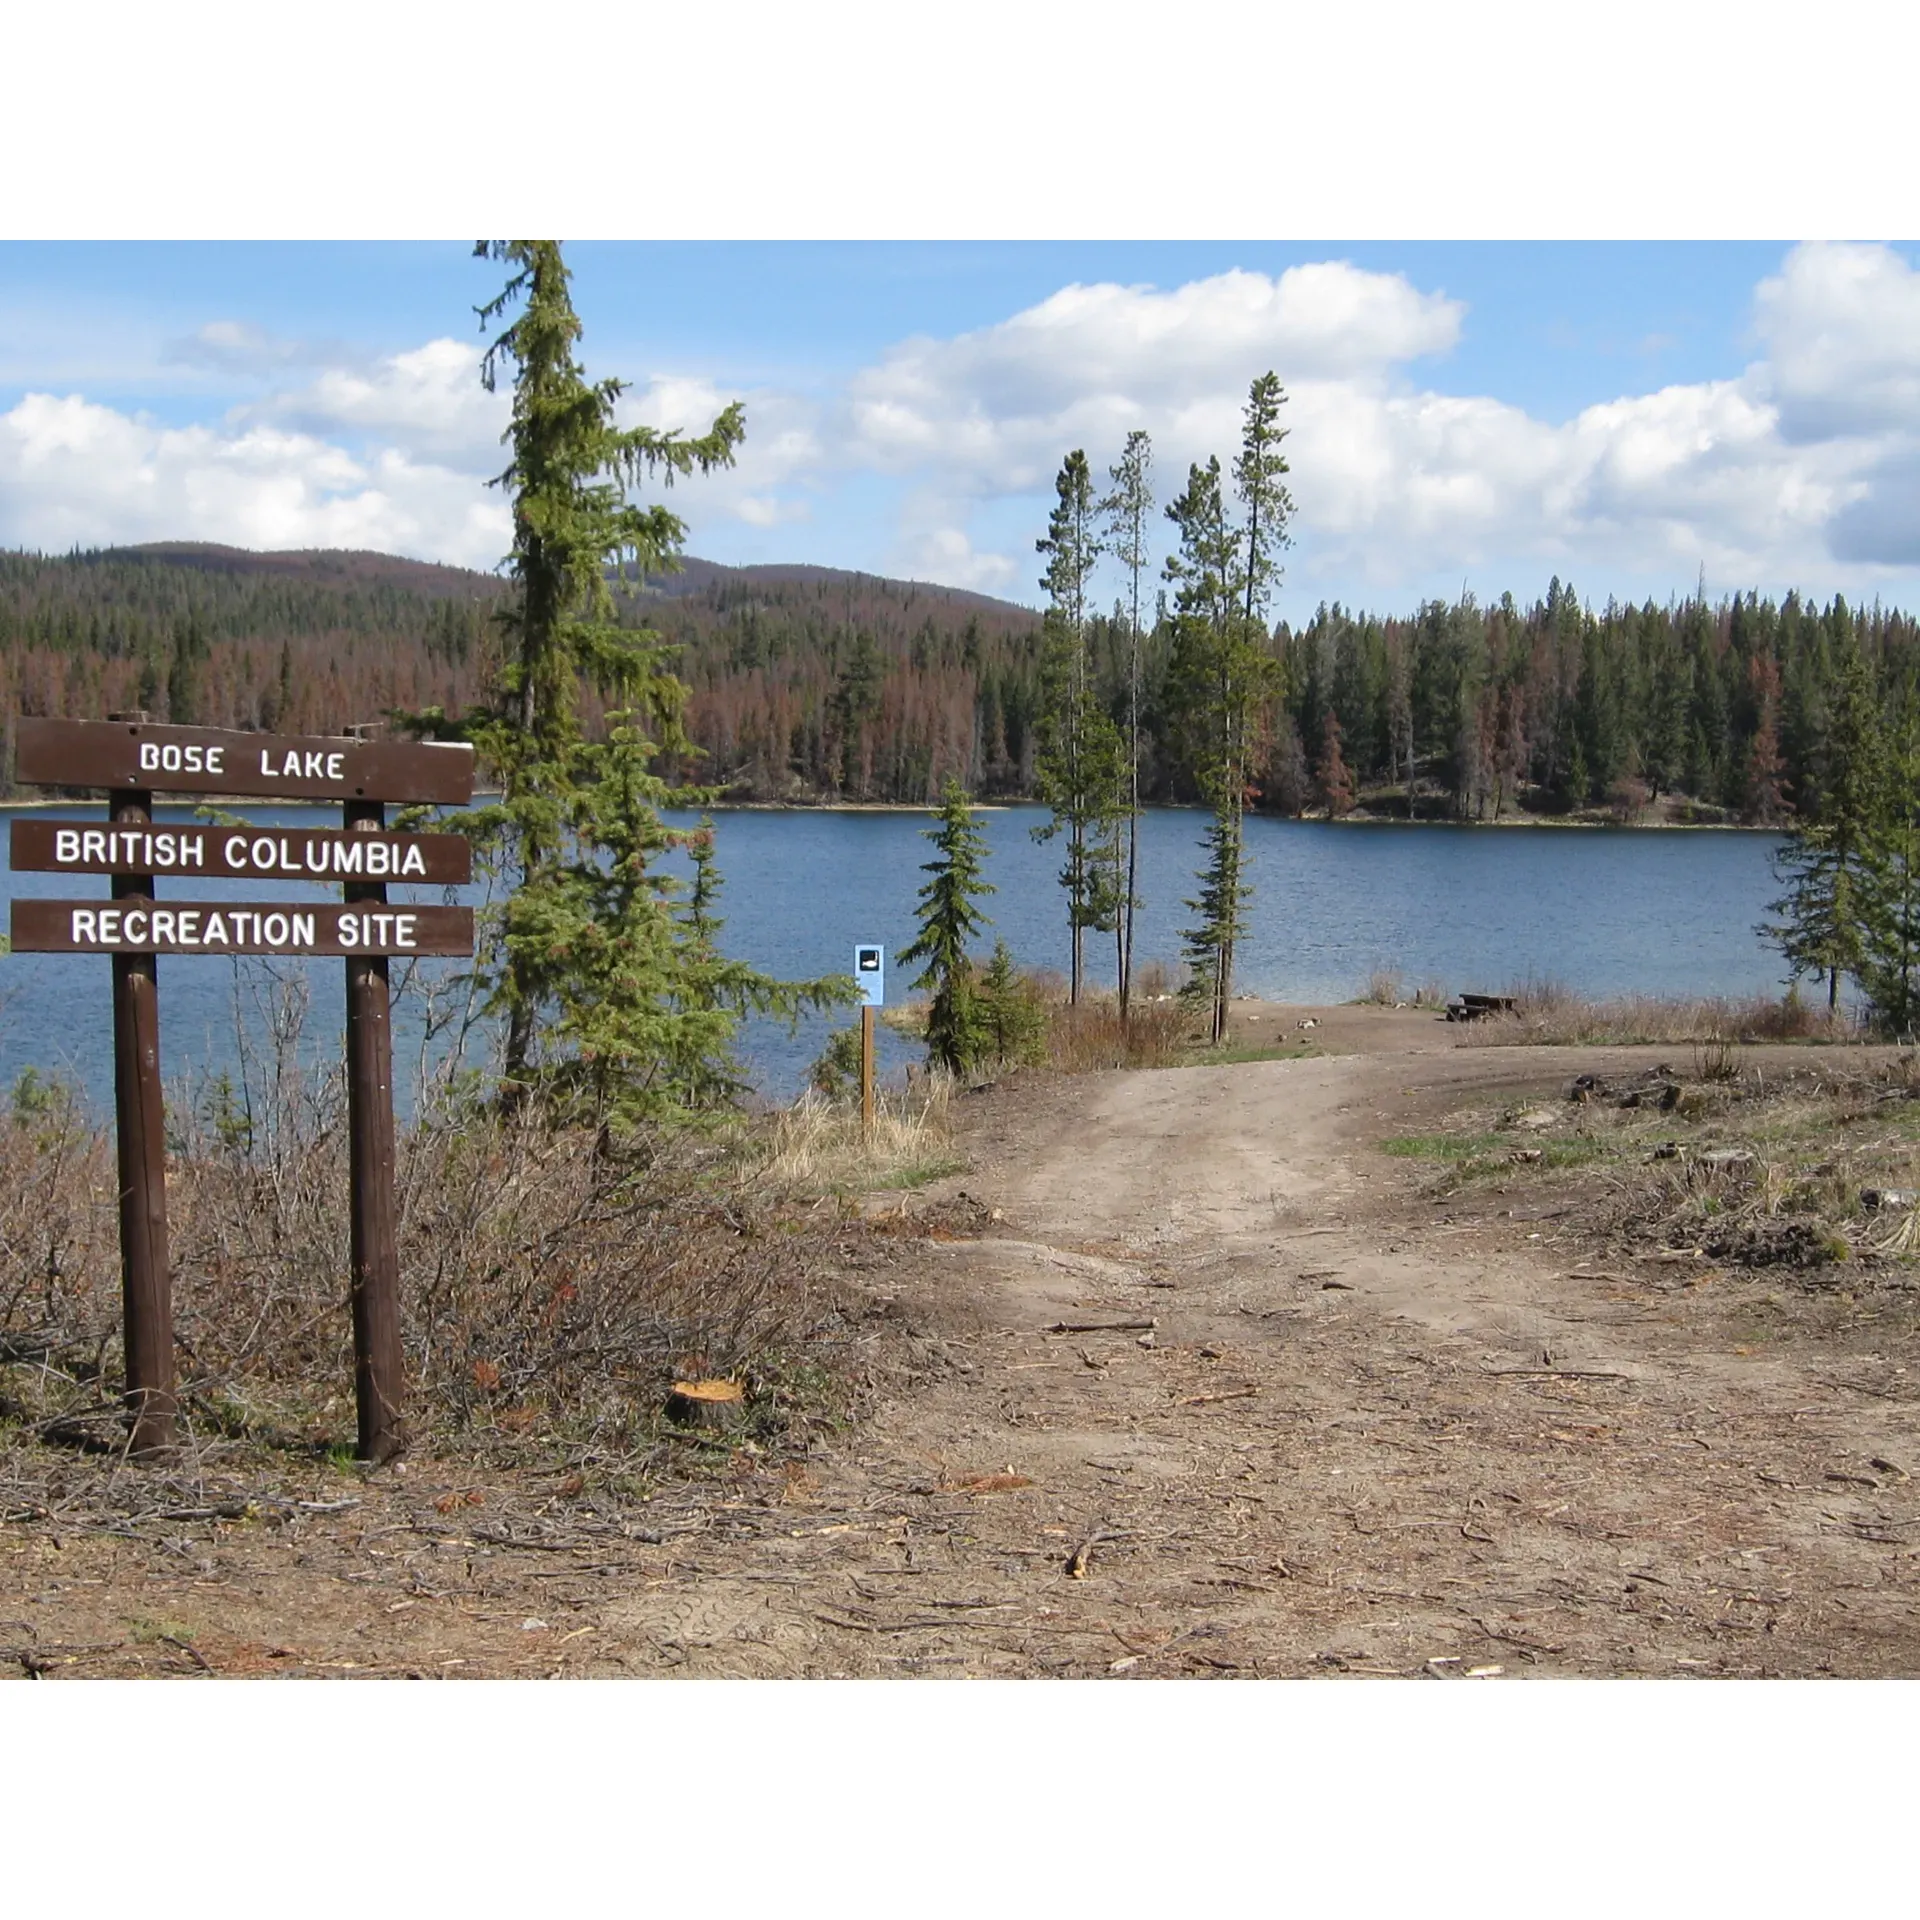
(133, 759)
(247, 853)
(229, 926)
(137, 756)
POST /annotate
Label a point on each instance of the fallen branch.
(1103, 1326)
(1513, 1639)
(1082, 1556)
(1211, 1399)
(1553, 1373)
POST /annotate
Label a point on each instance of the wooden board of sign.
(137, 756)
(324, 929)
(192, 850)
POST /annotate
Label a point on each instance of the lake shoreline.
(1546, 822)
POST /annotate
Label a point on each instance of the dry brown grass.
(1548, 1014)
(550, 1291)
(1733, 1167)
(820, 1146)
(1386, 987)
(1091, 1038)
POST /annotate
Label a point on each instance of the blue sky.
(1491, 413)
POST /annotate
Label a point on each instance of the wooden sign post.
(870, 976)
(140, 1137)
(378, 1369)
(133, 759)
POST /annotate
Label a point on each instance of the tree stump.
(706, 1403)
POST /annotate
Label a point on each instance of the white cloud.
(996, 408)
(1841, 328)
(931, 545)
(73, 472)
(768, 485)
(394, 455)
(429, 399)
(1805, 464)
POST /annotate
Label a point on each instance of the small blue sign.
(870, 975)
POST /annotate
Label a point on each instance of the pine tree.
(1822, 866)
(1888, 966)
(616, 1007)
(1078, 768)
(856, 702)
(1221, 910)
(949, 918)
(1012, 1022)
(1222, 673)
(183, 677)
(1129, 510)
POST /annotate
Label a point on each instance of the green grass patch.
(1483, 1152)
(919, 1173)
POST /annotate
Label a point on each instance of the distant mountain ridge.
(803, 681)
(436, 580)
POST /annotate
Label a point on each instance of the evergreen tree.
(616, 1005)
(1129, 510)
(1888, 966)
(1222, 671)
(1822, 866)
(856, 702)
(949, 918)
(1221, 910)
(1078, 769)
(183, 677)
(1012, 1022)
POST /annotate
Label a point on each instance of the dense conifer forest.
(810, 684)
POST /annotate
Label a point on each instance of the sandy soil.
(1206, 1384)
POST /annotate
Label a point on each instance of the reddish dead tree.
(1336, 783)
(1766, 803)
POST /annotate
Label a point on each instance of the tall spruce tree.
(1823, 865)
(1222, 671)
(1078, 768)
(613, 1000)
(1888, 966)
(949, 919)
(1129, 512)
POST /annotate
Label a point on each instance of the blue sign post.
(870, 976)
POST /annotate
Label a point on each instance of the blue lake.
(1663, 912)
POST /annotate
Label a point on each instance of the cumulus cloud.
(1808, 458)
(1841, 329)
(73, 472)
(393, 454)
(995, 408)
(1805, 462)
(429, 399)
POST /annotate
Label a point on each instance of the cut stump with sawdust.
(706, 1403)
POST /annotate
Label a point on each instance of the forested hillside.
(808, 683)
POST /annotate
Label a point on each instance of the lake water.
(1663, 912)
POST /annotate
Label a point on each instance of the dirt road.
(1210, 1385)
